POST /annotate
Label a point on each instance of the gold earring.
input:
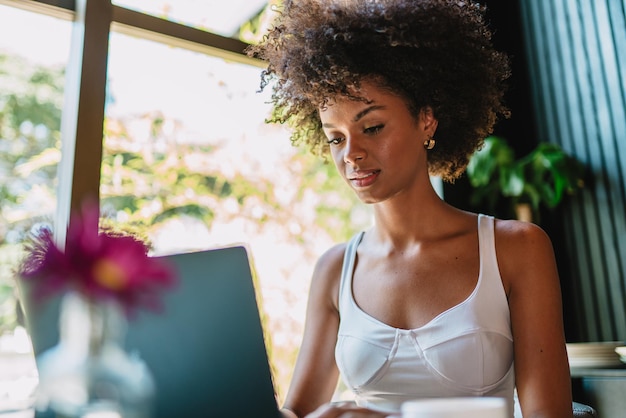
(429, 143)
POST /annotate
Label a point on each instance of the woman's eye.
(334, 141)
(374, 129)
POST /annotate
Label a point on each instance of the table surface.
(617, 372)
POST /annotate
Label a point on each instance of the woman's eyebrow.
(366, 111)
(358, 116)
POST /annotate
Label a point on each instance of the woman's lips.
(364, 179)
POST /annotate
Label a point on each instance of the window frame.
(83, 113)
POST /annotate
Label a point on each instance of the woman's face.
(377, 145)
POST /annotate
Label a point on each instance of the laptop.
(206, 351)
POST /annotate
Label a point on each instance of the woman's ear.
(429, 121)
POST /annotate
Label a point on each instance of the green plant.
(541, 179)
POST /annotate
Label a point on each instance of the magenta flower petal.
(101, 265)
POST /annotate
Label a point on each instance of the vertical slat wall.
(577, 56)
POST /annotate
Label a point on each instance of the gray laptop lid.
(206, 351)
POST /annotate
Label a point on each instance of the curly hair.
(432, 53)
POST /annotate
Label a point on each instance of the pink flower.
(100, 264)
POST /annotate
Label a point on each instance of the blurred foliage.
(9, 255)
(145, 183)
(543, 178)
(30, 118)
(153, 179)
(253, 30)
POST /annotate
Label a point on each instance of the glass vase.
(88, 374)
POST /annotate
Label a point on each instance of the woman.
(432, 301)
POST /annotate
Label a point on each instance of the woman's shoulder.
(327, 273)
(515, 234)
(332, 259)
(523, 249)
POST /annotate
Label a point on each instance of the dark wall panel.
(576, 52)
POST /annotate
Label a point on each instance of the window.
(223, 18)
(32, 74)
(186, 153)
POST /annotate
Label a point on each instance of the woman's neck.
(413, 217)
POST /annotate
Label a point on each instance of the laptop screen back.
(206, 350)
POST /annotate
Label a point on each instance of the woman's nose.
(353, 151)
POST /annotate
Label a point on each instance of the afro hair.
(432, 53)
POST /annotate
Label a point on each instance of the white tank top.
(465, 351)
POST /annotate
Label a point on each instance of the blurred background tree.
(148, 183)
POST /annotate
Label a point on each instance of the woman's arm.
(315, 375)
(529, 273)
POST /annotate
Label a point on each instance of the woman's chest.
(407, 291)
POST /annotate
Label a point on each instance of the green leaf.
(485, 164)
(512, 181)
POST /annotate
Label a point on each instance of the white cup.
(471, 407)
